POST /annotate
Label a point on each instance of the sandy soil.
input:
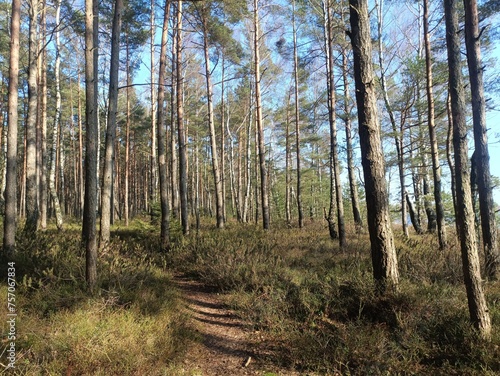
(228, 346)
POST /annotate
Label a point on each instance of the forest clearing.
(249, 187)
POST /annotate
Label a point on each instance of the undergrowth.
(132, 326)
(317, 310)
(312, 305)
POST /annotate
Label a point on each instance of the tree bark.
(465, 216)
(107, 181)
(161, 135)
(219, 198)
(486, 204)
(288, 177)
(89, 238)
(31, 129)
(398, 136)
(42, 121)
(436, 168)
(335, 183)
(10, 219)
(183, 178)
(297, 119)
(56, 127)
(353, 187)
(153, 184)
(259, 121)
(81, 182)
(385, 267)
(451, 163)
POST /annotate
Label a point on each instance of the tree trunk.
(153, 184)
(288, 178)
(126, 203)
(397, 136)
(335, 184)
(436, 169)
(174, 168)
(223, 143)
(451, 163)
(80, 150)
(89, 238)
(385, 266)
(219, 198)
(413, 215)
(107, 181)
(42, 120)
(486, 204)
(353, 187)
(161, 134)
(260, 126)
(472, 276)
(31, 129)
(10, 219)
(180, 127)
(56, 127)
(297, 119)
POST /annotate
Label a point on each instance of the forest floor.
(242, 301)
(227, 345)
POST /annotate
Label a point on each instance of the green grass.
(133, 326)
(316, 308)
(312, 305)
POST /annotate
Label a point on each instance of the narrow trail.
(228, 346)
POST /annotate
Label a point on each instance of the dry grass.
(134, 326)
(316, 309)
(312, 304)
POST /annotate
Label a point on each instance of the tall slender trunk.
(398, 136)
(223, 142)
(451, 162)
(183, 186)
(89, 237)
(248, 163)
(260, 126)
(385, 266)
(107, 181)
(62, 165)
(334, 161)
(174, 168)
(126, 203)
(81, 183)
(219, 198)
(42, 120)
(486, 204)
(10, 219)
(56, 127)
(353, 186)
(436, 169)
(297, 118)
(153, 184)
(31, 129)
(478, 308)
(288, 178)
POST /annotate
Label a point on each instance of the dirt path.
(228, 347)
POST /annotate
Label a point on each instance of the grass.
(312, 305)
(133, 326)
(316, 308)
